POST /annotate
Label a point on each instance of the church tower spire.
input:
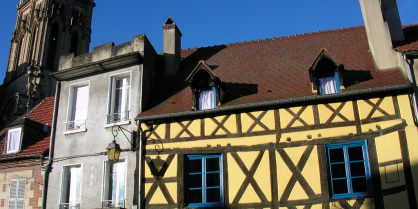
(44, 31)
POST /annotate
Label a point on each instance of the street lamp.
(113, 151)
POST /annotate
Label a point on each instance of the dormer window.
(205, 87)
(326, 75)
(13, 140)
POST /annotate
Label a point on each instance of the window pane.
(194, 181)
(194, 196)
(213, 180)
(355, 153)
(357, 169)
(340, 186)
(359, 185)
(336, 155)
(212, 164)
(213, 195)
(195, 166)
(338, 170)
(80, 102)
(13, 140)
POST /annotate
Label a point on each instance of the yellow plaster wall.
(388, 148)
(368, 204)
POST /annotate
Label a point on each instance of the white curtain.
(327, 85)
(13, 140)
(75, 183)
(206, 99)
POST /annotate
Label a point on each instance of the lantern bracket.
(115, 132)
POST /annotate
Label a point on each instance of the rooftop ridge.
(299, 35)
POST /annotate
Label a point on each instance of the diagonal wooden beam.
(158, 180)
(185, 129)
(296, 117)
(376, 107)
(336, 112)
(220, 125)
(152, 131)
(257, 121)
(249, 177)
(297, 173)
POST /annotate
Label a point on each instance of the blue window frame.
(349, 169)
(329, 84)
(203, 181)
(205, 98)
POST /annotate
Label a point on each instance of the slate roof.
(41, 114)
(276, 68)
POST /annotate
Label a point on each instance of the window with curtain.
(119, 102)
(71, 185)
(328, 85)
(204, 183)
(206, 98)
(114, 184)
(13, 140)
(349, 169)
(78, 108)
(17, 193)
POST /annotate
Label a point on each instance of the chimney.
(383, 28)
(172, 48)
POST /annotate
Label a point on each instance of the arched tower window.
(52, 48)
(74, 43)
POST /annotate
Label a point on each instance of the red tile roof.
(42, 114)
(276, 68)
(411, 39)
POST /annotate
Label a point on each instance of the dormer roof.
(40, 117)
(276, 69)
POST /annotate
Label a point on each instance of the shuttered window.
(17, 194)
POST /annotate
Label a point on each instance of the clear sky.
(205, 23)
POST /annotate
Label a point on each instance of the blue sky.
(205, 23)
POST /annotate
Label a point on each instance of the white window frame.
(16, 198)
(111, 98)
(19, 141)
(70, 121)
(63, 194)
(106, 180)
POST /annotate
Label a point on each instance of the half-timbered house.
(320, 120)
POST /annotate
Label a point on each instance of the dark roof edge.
(99, 66)
(263, 104)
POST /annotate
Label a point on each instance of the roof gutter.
(51, 145)
(278, 102)
(24, 157)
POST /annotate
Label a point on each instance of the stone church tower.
(45, 30)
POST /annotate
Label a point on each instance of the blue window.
(349, 169)
(206, 98)
(329, 84)
(203, 181)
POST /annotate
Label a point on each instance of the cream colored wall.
(387, 146)
(5, 178)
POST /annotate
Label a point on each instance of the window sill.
(127, 122)
(75, 131)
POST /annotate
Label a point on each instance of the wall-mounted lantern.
(113, 150)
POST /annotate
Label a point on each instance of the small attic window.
(13, 140)
(204, 85)
(205, 91)
(326, 75)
